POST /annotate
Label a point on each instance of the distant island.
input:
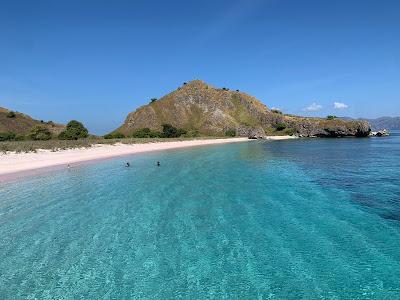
(389, 123)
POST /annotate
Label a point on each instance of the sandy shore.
(14, 165)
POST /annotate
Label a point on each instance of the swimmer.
(158, 164)
(127, 165)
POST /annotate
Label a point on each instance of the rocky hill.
(198, 106)
(20, 123)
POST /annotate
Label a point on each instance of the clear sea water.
(302, 219)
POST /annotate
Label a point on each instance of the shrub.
(276, 111)
(114, 135)
(146, 133)
(39, 133)
(74, 131)
(230, 132)
(225, 89)
(119, 135)
(11, 114)
(192, 133)
(19, 137)
(330, 117)
(152, 100)
(280, 126)
(290, 131)
(7, 136)
(170, 131)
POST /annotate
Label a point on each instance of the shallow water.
(302, 219)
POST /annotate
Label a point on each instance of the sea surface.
(296, 219)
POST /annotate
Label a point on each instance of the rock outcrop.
(201, 107)
(316, 127)
(380, 133)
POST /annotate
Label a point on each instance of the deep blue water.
(303, 219)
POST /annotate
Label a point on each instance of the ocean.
(295, 219)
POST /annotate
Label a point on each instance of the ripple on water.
(284, 220)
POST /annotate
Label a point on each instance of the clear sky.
(95, 61)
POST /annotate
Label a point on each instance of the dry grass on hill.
(20, 123)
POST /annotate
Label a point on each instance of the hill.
(385, 123)
(390, 123)
(20, 123)
(198, 106)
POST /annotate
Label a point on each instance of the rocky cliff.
(201, 107)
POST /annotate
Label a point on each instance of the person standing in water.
(158, 164)
(127, 165)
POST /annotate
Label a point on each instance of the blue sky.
(95, 61)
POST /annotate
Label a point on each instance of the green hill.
(20, 123)
(198, 106)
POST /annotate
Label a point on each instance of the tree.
(74, 130)
(170, 131)
(276, 111)
(290, 131)
(280, 126)
(7, 136)
(192, 133)
(230, 132)
(19, 137)
(40, 133)
(330, 117)
(146, 133)
(152, 100)
(11, 114)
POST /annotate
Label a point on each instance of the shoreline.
(17, 165)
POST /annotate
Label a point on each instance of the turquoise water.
(303, 219)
